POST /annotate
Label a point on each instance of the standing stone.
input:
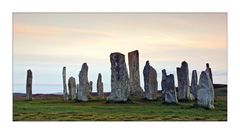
(150, 82)
(209, 71)
(183, 82)
(72, 88)
(29, 85)
(205, 93)
(100, 86)
(163, 84)
(194, 84)
(170, 94)
(65, 94)
(83, 89)
(133, 62)
(90, 88)
(77, 91)
(119, 78)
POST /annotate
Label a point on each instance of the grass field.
(98, 110)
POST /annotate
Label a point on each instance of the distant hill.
(219, 85)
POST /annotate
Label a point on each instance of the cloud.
(46, 31)
(164, 39)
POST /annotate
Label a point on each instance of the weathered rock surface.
(183, 82)
(77, 92)
(194, 84)
(209, 71)
(90, 87)
(205, 92)
(150, 82)
(163, 84)
(119, 78)
(133, 62)
(72, 87)
(83, 89)
(170, 94)
(29, 85)
(100, 86)
(65, 94)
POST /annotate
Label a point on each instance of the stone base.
(28, 99)
(208, 107)
(116, 99)
(82, 99)
(148, 99)
(138, 92)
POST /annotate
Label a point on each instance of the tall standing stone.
(65, 94)
(183, 82)
(194, 84)
(170, 94)
(163, 84)
(90, 88)
(100, 86)
(133, 62)
(205, 93)
(119, 78)
(72, 87)
(77, 92)
(150, 82)
(209, 71)
(83, 89)
(29, 85)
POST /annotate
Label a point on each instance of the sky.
(45, 42)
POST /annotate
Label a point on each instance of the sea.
(57, 88)
(46, 88)
(39, 88)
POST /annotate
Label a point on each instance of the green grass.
(99, 110)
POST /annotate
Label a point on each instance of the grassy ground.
(99, 110)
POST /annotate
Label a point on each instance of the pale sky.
(45, 42)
